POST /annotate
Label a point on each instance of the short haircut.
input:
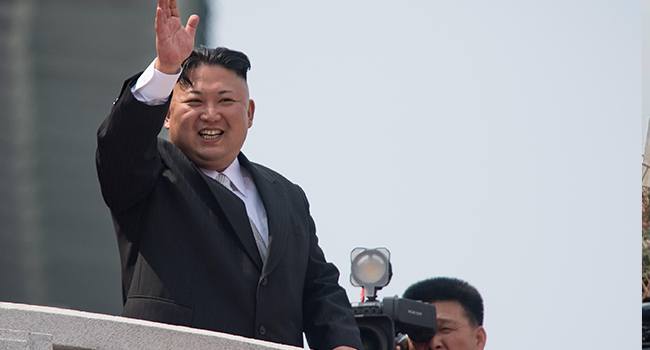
(449, 289)
(230, 59)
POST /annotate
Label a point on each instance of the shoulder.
(265, 175)
(270, 173)
(173, 158)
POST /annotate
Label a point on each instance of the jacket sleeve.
(127, 158)
(328, 318)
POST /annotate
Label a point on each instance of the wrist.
(170, 69)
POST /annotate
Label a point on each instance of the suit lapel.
(235, 211)
(215, 196)
(277, 207)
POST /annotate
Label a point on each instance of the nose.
(210, 114)
(435, 343)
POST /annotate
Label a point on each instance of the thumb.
(192, 23)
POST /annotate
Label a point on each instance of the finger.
(162, 4)
(192, 23)
(161, 20)
(173, 7)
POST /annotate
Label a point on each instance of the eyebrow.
(446, 321)
(198, 92)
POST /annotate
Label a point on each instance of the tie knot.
(224, 180)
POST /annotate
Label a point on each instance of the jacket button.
(262, 330)
(265, 281)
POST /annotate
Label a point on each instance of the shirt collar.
(234, 173)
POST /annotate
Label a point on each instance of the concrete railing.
(24, 327)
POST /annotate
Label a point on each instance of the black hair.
(230, 59)
(449, 289)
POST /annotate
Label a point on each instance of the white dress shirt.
(244, 187)
(153, 88)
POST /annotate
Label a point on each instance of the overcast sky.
(646, 72)
(491, 141)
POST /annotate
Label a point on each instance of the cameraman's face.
(454, 330)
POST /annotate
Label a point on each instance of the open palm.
(174, 43)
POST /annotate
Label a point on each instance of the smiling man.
(459, 312)
(207, 238)
(210, 111)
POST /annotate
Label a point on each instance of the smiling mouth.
(210, 134)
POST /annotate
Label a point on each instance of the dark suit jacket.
(187, 250)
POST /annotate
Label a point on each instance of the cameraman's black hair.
(230, 59)
(449, 289)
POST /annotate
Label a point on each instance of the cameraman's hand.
(405, 345)
(174, 43)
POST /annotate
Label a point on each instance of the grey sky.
(490, 141)
(646, 71)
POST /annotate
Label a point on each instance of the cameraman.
(459, 312)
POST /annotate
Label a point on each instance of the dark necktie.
(261, 246)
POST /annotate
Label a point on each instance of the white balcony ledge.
(30, 327)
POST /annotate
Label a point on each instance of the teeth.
(210, 134)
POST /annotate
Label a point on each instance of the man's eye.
(194, 101)
(227, 100)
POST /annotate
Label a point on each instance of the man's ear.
(481, 337)
(251, 112)
(167, 120)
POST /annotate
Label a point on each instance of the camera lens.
(373, 338)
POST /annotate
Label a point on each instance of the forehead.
(450, 311)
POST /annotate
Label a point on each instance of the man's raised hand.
(174, 43)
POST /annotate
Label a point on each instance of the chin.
(218, 165)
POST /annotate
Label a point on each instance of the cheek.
(238, 122)
(180, 129)
(184, 122)
(455, 339)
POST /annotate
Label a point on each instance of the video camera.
(383, 324)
